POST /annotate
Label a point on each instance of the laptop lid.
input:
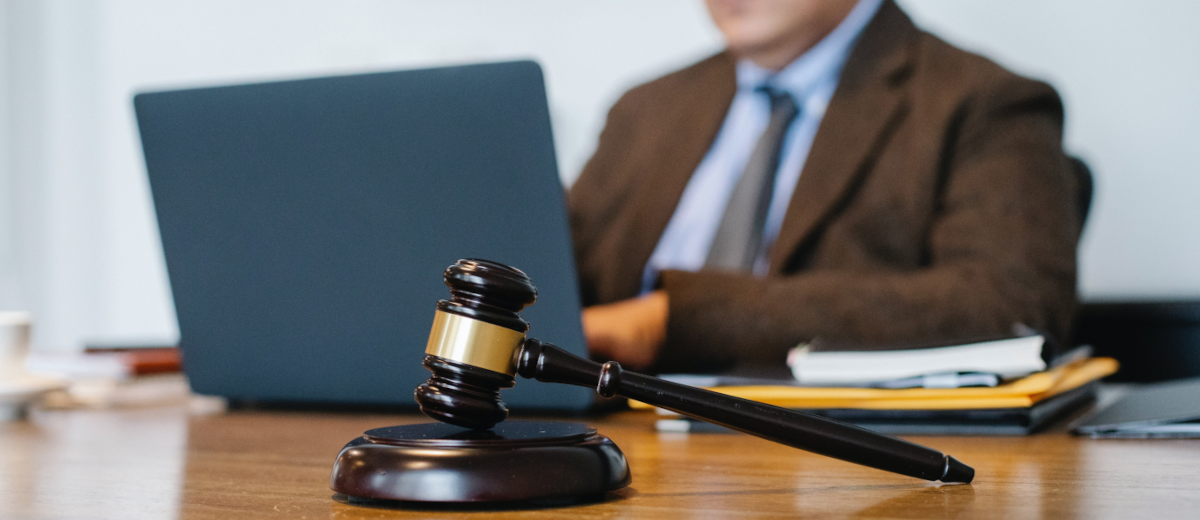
(1166, 409)
(306, 225)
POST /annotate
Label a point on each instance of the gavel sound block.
(478, 344)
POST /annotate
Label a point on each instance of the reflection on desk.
(163, 463)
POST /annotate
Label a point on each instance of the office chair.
(1083, 179)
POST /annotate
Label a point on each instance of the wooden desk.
(163, 463)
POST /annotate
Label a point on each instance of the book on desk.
(1005, 391)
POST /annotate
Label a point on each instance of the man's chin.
(765, 54)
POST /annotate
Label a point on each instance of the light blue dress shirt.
(811, 80)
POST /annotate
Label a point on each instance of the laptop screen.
(306, 225)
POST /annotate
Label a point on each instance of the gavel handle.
(548, 363)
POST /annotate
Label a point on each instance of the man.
(835, 173)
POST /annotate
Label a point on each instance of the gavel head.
(475, 335)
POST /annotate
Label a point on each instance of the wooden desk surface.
(163, 463)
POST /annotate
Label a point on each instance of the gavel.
(478, 343)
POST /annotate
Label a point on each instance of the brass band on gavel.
(473, 342)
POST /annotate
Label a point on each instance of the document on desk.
(1012, 408)
(1021, 393)
(818, 364)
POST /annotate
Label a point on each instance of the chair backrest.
(1153, 340)
(1083, 178)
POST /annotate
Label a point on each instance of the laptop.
(1169, 409)
(306, 225)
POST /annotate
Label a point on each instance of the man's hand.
(630, 332)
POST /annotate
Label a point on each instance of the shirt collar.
(822, 63)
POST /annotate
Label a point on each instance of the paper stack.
(921, 391)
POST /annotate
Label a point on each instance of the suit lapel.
(695, 117)
(868, 102)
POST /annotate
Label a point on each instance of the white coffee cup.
(14, 343)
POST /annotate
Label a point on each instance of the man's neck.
(776, 59)
(778, 54)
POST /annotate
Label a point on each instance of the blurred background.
(79, 245)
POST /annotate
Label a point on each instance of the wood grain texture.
(163, 463)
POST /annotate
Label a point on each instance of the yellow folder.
(1021, 393)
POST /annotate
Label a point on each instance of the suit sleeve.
(1001, 251)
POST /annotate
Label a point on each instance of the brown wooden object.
(475, 352)
(515, 461)
(470, 456)
(460, 393)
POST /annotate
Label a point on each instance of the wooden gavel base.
(514, 461)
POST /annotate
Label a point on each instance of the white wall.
(79, 246)
(1129, 75)
(78, 243)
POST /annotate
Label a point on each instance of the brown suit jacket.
(936, 203)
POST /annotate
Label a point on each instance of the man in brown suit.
(935, 202)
